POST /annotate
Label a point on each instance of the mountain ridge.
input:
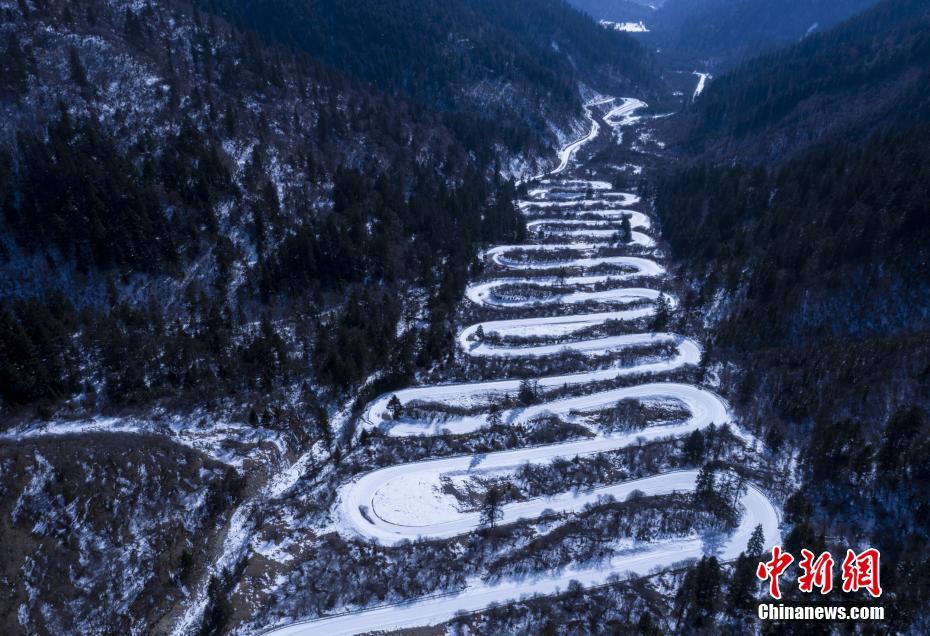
(869, 72)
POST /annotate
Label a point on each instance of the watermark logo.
(817, 573)
(772, 570)
(859, 571)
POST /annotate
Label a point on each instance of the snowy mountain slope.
(181, 211)
(720, 34)
(102, 534)
(731, 31)
(478, 595)
(399, 503)
(843, 83)
(810, 196)
(514, 66)
(279, 342)
(618, 10)
(165, 162)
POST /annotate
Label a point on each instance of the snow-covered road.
(406, 501)
(477, 594)
(567, 153)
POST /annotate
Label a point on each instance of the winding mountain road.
(405, 501)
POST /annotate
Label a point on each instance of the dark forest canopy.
(716, 35)
(507, 64)
(842, 220)
(810, 195)
(430, 48)
(871, 71)
(343, 198)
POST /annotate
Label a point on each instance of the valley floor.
(592, 260)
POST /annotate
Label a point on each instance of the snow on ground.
(487, 294)
(623, 199)
(628, 27)
(405, 502)
(637, 220)
(588, 255)
(227, 442)
(595, 347)
(550, 326)
(477, 595)
(624, 114)
(702, 82)
(240, 533)
(568, 152)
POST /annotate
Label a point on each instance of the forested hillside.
(289, 332)
(872, 71)
(223, 175)
(831, 245)
(188, 208)
(209, 242)
(723, 33)
(818, 274)
(618, 10)
(814, 272)
(717, 35)
(513, 67)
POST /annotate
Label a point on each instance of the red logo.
(860, 571)
(771, 570)
(817, 573)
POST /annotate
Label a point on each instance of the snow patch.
(627, 27)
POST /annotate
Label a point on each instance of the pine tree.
(133, 29)
(704, 488)
(529, 392)
(491, 508)
(78, 75)
(694, 447)
(756, 543)
(698, 596)
(395, 407)
(494, 416)
(663, 313)
(741, 595)
(218, 609)
(774, 439)
(646, 626)
(13, 68)
(626, 229)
